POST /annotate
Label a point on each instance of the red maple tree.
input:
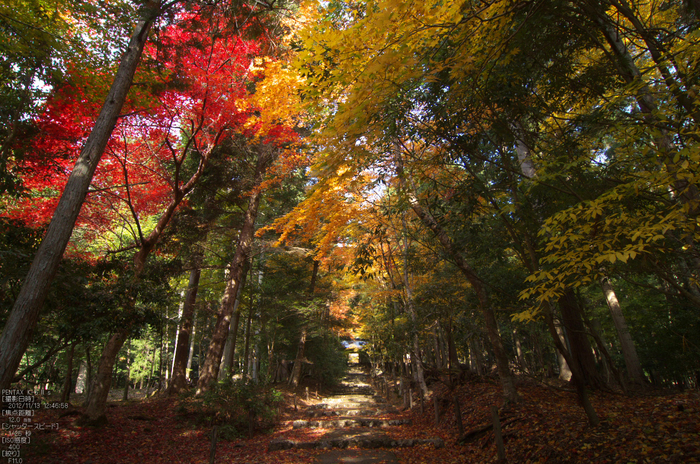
(192, 93)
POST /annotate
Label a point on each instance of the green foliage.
(237, 408)
(17, 247)
(664, 330)
(329, 359)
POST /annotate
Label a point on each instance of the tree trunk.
(438, 353)
(452, 359)
(68, 384)
(564, 370)
(25, 313)
(296, 370)
(629, 351)
(538, 359)
(161, 355)
(416, 361)
(179, 378)
(581, 350)
(165, 353)
(128, 373)
(314, 276)
(81, 383)
(89, 378)
(210, 371)
(576, 375)
(191, 350)
(99, 392)
(475, 357)
(295, 376)
(153, 368)
(246, 353)
(226, 367)
(519, 351)
(183, 295)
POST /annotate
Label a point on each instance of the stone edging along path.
(350, 415)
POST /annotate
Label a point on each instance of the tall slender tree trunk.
(416, 360)
(95, 408)
(475, 357)
(629, 351)
(246, 352)
(153, 369)
(179, 378)
(438, 352)
(89, 377)
(210, 371)
(180, 308)
(81, 383)
(295, 377)
(564, 370)
(68, 384)
(128, 373)
(226, 367)
(190, 354)
(20, 324)
(519, 350)
(452, 358)
(576, 375)
(161, 356)
(165, 353)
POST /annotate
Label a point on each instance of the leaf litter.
(657, 426)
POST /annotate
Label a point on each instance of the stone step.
(366, 390)
(348, 405)
(341, 403)
(363, 441)
(341, 423)
(353, 397)
(350, 412)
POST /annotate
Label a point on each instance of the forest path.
(355, 419)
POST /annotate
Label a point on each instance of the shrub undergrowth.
(237, 408)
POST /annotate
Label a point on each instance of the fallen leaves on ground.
(551, 427)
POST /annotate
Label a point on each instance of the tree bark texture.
(179, 378)
(128, 373)
(564, 370)
(68, 384)
(246, 352)
(25, 313)
(581, 350)
(576, 375)
(190, 355)
(295, 377)
(229, 356)
(99, 392)
(629, 351)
